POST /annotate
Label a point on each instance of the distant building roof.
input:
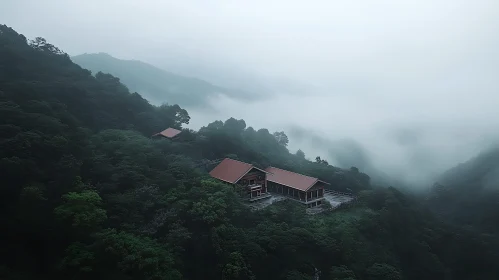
(168, 133)
(231, 171)
(291, 179)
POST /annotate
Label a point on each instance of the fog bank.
(409, 88)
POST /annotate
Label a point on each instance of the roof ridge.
(171, 128)
(228, 168)
(239, 161)
(294, 172)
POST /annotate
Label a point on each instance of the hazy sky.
(415, 82)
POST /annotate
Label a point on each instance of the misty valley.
(108, 174)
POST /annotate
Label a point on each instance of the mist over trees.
(157, 85)
(88, 193)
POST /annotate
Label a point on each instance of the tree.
(296, 275)
(236, 268)
(216, 125)
(180, 115)
(321, 161)
(121, 255)
(383, 272)
(234, 126)
(210, 208)
(41, 44)
(300, 154)
(281, 138)
(342, 273)
(82, 208)
(174, 113)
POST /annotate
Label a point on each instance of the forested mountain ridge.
(157, 85)
(468, 194)
(484, 168)
(86, 193)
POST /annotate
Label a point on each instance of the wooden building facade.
(249, 180)
(304, 189)
(255, 184)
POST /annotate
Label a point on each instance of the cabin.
(249, 180)
(170, 133)
(304, 189)
(256, 184)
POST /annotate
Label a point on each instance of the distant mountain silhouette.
(481, 171)
(155, 84)
(468, 193)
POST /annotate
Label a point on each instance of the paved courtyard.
(334, 198)
(258, 205)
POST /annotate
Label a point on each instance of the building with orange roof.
(168, 133)
(250, 180)
(305, 189)
(257, 183)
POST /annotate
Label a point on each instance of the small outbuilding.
(168, 133)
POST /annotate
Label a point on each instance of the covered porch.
(311, 197)
(257, 192)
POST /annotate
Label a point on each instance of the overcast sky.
(415, 82)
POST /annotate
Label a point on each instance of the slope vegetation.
(468, 194)
(87, 194)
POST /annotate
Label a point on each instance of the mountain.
(155, 84)
(480, 172)
(468, 194)
(345, 153)
(87, 193)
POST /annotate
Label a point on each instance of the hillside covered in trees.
(468, 194)
(88, 194)
(155, 84)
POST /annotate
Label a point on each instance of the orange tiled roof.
(291, 179)
(169, 132)
(231, 170)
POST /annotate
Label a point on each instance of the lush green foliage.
(87, 193)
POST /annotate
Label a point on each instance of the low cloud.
(412, 86)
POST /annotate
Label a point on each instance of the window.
(251, 182)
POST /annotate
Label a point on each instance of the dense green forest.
(87, 193)
(155, 84)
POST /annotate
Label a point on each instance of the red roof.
(291, 179)
(169, 132)
(230, 170)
